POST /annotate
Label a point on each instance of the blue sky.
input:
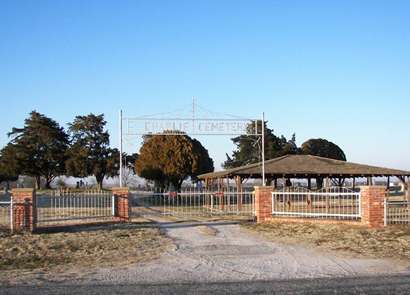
(339, 70)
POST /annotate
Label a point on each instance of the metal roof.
(301, 166)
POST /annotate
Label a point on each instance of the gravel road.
(223, 252)
(221, 258)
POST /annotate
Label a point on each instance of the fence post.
(113, 205)
(121, 203)
(263, 203)
(24, 215)
(11, 215)
(372, 205)
(385, 212)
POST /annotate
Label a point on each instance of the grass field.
(97, 246)
(388, 242)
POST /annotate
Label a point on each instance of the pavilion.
(304, 167)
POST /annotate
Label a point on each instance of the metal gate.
(330, 203)
(396, 212)
(69, 207)
(190, 203)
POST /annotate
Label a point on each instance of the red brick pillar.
(24, 209)
(122, 209)
(263, 203)
(372, 205)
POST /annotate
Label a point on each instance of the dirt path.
(225, 252)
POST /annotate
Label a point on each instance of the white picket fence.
(396, 212)
(329, 203)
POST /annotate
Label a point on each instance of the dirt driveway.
(218, 251)
(223, 251)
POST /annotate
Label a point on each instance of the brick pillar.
(121, 203)
(24, 209)
(263, 203)
(372, 205)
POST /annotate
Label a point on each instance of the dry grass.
(100, 246)
(389, 242)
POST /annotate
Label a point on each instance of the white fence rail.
(396, 212)
(193, 202)
(61, 207)
(329, 203)
(6, 215)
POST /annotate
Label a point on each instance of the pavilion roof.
(302, 166)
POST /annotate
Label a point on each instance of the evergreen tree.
(248, 147)
(40, 148)
(323, 148)
(170, 159)
(90, 153)
(9, 169)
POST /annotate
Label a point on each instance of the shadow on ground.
(130, 225)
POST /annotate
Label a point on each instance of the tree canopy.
(9, 169)
(129, 160)
(248, 147)
(39, 148)
(169, 160)
(323, 148)
(90, 153)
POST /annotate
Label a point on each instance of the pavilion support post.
(327, 182)
(228, 196)
(275, 182)
(285, 197)
(220, 193)
(209, 187)
(239, 195)
(353, 201)
(309, 183)
(369, 181)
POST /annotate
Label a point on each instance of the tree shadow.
(115, 226)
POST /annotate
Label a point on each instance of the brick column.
(263, 203)
(24, 209)
(121, 203)
(372, 205)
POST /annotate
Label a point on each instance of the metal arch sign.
(197, 126)
(191, 126)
